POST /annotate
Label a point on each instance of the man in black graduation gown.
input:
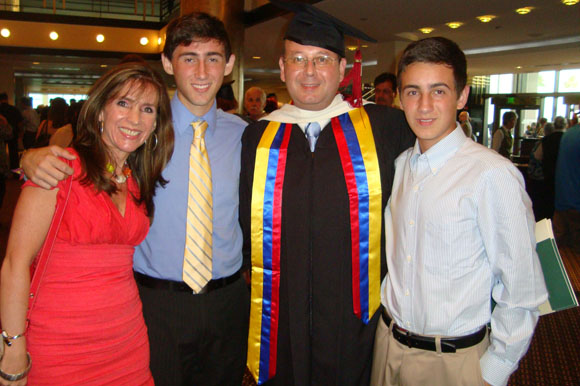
(319, 340)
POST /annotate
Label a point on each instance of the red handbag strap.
(46, 249)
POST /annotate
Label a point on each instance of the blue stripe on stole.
(363, 209)
(267, 253)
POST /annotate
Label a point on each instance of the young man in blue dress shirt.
(459, 233)
(195, 339)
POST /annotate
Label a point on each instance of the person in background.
(30, 122)
(502, 140)
(226, 100)
(64, 136)
(465, 123)
(385, 89)
(14, 118)
(271, 103)
(55, 120)
(5, 135)
(87, 324)
(548, 154)
(254, 102)
(459, 234)
(540, 127)
(567, 202)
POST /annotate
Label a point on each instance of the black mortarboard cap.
(313, 27)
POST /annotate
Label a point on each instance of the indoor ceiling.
(547, 38)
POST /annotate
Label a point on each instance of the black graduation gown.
(320, 339)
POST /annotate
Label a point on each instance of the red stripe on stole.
(354, 213)
(276, 244)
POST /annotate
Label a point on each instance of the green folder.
(560, 291)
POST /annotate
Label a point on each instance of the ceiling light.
(5, 32)
(53, 35)
(256, 57)
(518, 67)
(570, 2)
(144, 41)
(486, 18)
(454, 24)
(103, 66)
(365, 46)
(100, 38)
(524, 10)
(351, 48)
(427, 30)
(159, 41)
(35, 62)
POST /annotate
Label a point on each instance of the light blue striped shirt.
(459, 230)
(161, 254)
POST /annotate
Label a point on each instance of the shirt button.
(408, 257)
(407, 292)
(412, 222)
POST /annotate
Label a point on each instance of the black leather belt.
(428, 343)
(179, 286)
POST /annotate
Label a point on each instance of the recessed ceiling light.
(103, 66)
(570, 2)
(454, 24)
(365, 46)
(524, 10)
(518, 67)
(351, 48)
(159, 41)
(53, 35)
(5, 32)
(100, 38)
(144, 41)
(426, 30)
(35, 62)
(486, 18)
(256, 57)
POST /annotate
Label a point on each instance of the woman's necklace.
(122, 178)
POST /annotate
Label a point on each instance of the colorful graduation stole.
(354, 137)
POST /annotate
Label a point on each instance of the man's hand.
(43, 167)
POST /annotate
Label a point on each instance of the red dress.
(87, 324)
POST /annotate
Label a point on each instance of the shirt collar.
(182, 117)
(439, 153)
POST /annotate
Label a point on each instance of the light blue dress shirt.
(161, 254)
(459, 231)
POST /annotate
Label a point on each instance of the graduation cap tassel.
(354, 75)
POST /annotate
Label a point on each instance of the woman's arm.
(30, 224)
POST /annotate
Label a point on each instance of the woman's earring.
(155, 145)
(101, 126)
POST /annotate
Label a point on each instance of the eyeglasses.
(320, 61)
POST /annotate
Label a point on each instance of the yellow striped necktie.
(197, 261)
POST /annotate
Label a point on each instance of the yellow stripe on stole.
(257, 236)
(367, 144)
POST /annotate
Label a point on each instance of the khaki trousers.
(397, 364)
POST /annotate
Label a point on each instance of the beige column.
(231, 12)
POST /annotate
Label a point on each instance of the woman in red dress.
(86, 326)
